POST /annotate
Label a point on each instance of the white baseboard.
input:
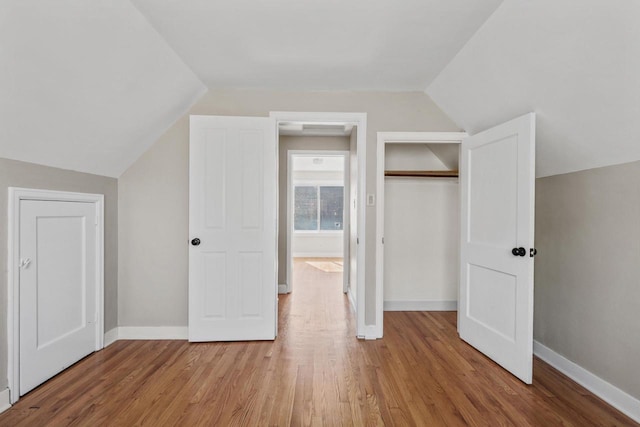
(371, 332)
(420, 305)
(282, 288)
(615, 397)
(5, 402)
(110, 337)
(152, 333)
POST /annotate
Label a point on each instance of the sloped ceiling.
(86, 85)
(575, 63)
(90, 85)
(328, 44)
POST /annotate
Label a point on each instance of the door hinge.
(383, 240)
(357, 240)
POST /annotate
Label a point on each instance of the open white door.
(497, 175)
(232, 226)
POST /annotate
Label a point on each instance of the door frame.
(360, 121)
(16, 195)
(346, 220)
(396, 138)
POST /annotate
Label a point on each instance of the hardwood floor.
(315, 373)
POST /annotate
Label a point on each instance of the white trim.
(360, 121)
(153, 333)
(371, 333)
(15, 195)
(282, 288)
(622, 401)
(352, 300)
(110, 337)
(426, 305)
(398, 138)
(5, 401)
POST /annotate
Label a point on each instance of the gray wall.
(29, 175)
(587, 274)
(286, 143)
(153, 215)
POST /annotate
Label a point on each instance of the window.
(318, 208)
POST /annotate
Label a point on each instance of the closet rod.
(426, 174)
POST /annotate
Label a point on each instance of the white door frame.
(13, 279)
(346, 208)
(397, 138)
(360, 121)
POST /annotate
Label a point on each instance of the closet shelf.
(425, 174)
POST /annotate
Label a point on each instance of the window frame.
(317, 184)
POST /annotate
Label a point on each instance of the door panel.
(57, 287)
(492, 216)
(232, 273)
(497, 176)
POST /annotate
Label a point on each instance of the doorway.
(497, 193)
(317, 211)
(55, 283)
(352, 127)
(424, 164)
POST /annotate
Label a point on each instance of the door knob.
(195, 242)
(518, 251)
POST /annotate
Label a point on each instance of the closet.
(421, 226)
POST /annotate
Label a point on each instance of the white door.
(232, 225)
(495, 312)
(57, 287)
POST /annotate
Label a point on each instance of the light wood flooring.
(315, 373)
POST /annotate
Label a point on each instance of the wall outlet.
(371, 199)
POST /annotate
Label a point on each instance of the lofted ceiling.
(90, 85)
(86, 85)
(575, 63)
(330, 45)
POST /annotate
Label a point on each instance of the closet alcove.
(421, 226)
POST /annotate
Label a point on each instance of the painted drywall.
(325, 245)
(28, 175)
(153, 193)
(377, 44)
(86, 86)
(587, 272)
(575, 63)
(421, 229)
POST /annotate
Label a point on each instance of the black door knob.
(195, 242)
(518, 251)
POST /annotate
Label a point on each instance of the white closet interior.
(421, 227)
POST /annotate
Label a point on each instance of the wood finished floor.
(315, 373)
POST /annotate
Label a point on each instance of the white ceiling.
(575, 63)
(90, 85)
(304, 162)
(86, 85)
(329, 44)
